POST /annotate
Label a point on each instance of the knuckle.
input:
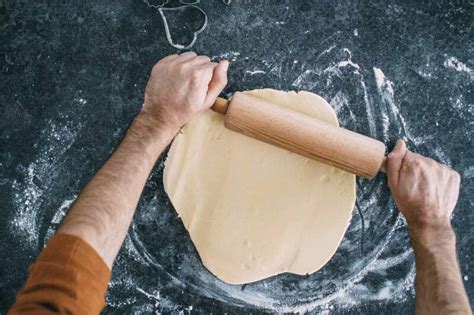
(168, 58)
(416, 162)
(432, 163)
(427, 165)
(181, 68)
(189, 53)
(156, 66)
(455, 176)
(205, 58)
(195, 75)
(445, 169)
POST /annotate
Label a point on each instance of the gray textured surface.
(72, 76)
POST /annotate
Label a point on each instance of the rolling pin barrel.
(302, 134)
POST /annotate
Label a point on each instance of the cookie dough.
(254, 210)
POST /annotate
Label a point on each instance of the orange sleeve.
(69, 277)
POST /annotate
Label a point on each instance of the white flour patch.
(231, 56)
(468, 172)
(368, 108)
(155, 295)
(385, 88)
(82, 101)
(58, 216)
(454, 63)
(463, 108)
(53, 143)
(254, 72)
(26, 199)
(305, 80)
(309, 79)
(383, 84)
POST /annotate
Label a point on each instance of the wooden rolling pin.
(302, 134)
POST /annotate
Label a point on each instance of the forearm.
(103, 212)
(180, 87)
(439, 288)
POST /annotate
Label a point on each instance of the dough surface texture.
(254, 210)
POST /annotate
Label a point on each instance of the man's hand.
(181, 87)
(425, 191)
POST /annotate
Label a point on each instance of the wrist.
(147, 124)
(151, 135)
(158, 117)
(432, 235)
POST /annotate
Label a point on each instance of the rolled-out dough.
(254, 210)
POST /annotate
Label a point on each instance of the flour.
(304, 81)
(385, 88)
(58, 216)
(454, 63)
(231, 56)
(254, 72)
(54, 141)
(469, 172)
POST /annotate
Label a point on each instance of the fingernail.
(226, 66)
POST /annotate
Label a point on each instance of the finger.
(207, 66)
(395, 163)
(201, 60)
(218, 82)
(169, 58)
(185, 57)
(204, 72)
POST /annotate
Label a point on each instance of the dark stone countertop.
(72, 76)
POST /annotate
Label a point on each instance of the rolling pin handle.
(220, 105)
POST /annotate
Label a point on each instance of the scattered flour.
(454, 63)
(254, 72)
(231, 56)
(54, 141)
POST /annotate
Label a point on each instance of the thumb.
(218, 82)
(395, 162)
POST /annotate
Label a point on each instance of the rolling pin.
(302, 134)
